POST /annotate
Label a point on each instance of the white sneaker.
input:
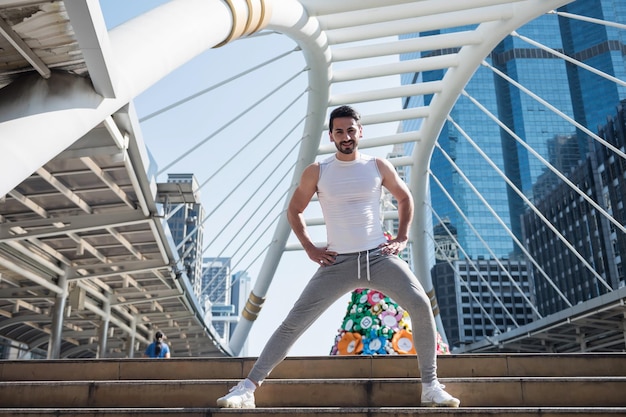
(238, 397)
(433, 395)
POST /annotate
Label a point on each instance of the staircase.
(519, 385)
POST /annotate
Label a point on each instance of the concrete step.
(298, 393)
(320, 412)
(449, 366)
(520, 385)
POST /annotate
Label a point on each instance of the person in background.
(349, 187)
(157, 349)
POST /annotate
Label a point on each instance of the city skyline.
(458, 168)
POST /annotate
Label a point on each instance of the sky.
(252, 131)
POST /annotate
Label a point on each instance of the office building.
(240, 290)
(578, 93)
(597, 241)
(584, 96)
(180, 197)
(216, 293)
(480, 298)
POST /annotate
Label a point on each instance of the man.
(158, 348)
(349, 186)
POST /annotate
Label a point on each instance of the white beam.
(23, 49)
(63, 225)
(386, 12)
(106, 179)
(423, 24)
(404, 114)
(413, 136)
(63, 189)
(317, 7)
(93, 39)
(399, 67)
(405, 46)
(418, 89)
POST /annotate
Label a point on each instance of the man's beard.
(346, 151)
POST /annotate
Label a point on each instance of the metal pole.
(54, 345)
(104, 330)
(130, 349)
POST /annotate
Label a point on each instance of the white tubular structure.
(469, 58)
(44, 114)
(53, 102)
(499, 22)
(291, 18)
(63, 108)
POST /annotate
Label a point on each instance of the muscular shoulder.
(384, 166)
(312, 171)
(388, 173)
(309, 178)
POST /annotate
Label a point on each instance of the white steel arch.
(352, 24)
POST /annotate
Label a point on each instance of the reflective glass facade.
(576, 92)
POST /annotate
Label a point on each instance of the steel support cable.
(249, 235)
(570, 59)
(240, 229)
(256, 191)
(220, 271)
(589, 19)
(213, 87)
(464, 282)
(256, 258)
(255, 137)
(547, 164)
(554, 109)
(230, 122)
(504, 226)
(475, 267)
(245, 178)
(232, 158)
(254, 242)
(269, 211)
(530, 204)
(485, 244)
(174, 211)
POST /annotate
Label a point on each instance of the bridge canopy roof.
(80, 204)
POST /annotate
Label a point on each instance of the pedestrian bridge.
(88, 266)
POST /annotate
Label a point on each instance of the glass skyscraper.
(576, 92)
(216, 289)
(180, 196)
(517, 85)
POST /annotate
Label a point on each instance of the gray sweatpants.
(387, 274)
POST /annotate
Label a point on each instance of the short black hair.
(343, 111)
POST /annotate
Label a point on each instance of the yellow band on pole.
(249, 16)
(253, 307)
(433, 301)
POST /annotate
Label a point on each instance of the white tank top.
(349, 193)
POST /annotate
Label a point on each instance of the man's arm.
(400, 191)
(299, 201)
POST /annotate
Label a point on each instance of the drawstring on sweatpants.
(367, 260)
